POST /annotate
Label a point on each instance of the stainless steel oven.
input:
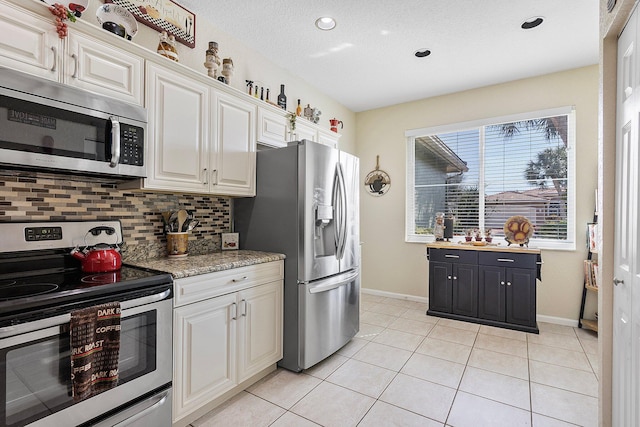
(35, 356)
(47, 125)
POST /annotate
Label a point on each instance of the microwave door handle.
(115, 142)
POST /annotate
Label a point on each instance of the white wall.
(390, 264)
(249, 65)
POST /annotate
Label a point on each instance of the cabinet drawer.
(210, 285)
(508, 259)
(453, 256)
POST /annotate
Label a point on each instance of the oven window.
(37, 373)
(36, 128)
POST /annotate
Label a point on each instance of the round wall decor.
(377, 181)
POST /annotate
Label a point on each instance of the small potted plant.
(468, 234)
(478, 235)
(487, 235)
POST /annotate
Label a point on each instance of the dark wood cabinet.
(489, 287)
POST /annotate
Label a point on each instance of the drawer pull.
(452, 256)
(449, 277)
(505, 260)
(243, 278)
(502, 283)
(455, 277)
(508, 283)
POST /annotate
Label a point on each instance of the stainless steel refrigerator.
(307, 207)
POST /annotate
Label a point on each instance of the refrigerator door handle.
(342, 213)
(333, 282)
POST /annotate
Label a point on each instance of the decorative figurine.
(165, 48)
(212, 61)
(448, 227)
(315, 115)
(227, 69)
(250, 86)
(438, 230)
(468, 234)
(487, 235)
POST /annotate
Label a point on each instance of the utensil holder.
(178, 244)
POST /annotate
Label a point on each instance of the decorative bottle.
(282, 98)
(299, 109)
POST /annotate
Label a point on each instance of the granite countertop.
(495, 247)
(193, 265)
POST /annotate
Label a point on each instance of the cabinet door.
(272, 128)
(440, 287)
(97, 67)
(304, 131)
(177, 132)
(259, 328)
(204, 352)
(465, 290)
(521, 296)
(491, 293)
(234, 157)
(29, 43)
(329, 138)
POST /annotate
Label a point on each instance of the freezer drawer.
(329, 316)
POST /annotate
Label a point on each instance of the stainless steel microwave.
(45, 125)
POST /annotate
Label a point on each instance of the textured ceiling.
(368, 60)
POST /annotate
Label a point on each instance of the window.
(485, 172)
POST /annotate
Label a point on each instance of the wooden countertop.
(194, 265)
(492, 247)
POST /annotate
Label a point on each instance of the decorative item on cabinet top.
(117, 20)
(163, 16)
(75, 7)
(334, 124)
(377, 181)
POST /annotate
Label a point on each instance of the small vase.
(478, 239)
(488, 239)
(467, 238)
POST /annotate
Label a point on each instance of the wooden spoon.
(182, 217)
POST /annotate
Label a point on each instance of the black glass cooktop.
(56, 283)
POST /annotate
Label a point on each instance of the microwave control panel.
(131, 145)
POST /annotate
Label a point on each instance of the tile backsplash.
(31, 196)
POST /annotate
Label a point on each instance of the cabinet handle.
(455, 277)
(214, 176)
(505, 260)
(205, 176)
(452, 256)
(55, 58)
(75, 66)
(449, 277)
(508, 283)
(234, 311)
(244, 307)
(617, 281)
(502, 283)
(243, 278)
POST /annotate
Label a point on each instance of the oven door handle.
(140, 411)
(24, 328)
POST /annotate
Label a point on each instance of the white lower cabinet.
(223, 340)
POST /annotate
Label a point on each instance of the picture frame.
(163, 15)
(230, 241)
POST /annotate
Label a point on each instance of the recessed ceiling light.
(421, 53)
(532, 22)
(325, 23)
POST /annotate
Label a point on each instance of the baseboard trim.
(540, 318)
(394, 295)
(557, 320)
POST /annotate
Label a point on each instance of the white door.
(260, 328)
(234, 156)
(204, 344)
(178, 131)
(626, 293)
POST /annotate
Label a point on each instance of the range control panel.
(32, 234)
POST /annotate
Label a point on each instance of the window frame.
(412, 134)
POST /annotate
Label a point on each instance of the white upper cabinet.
(177, 132)
(92, 65)
(272, 128)
(328, 137)
(31, 44)
(234, 155)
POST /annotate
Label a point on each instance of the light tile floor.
(408, 369)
